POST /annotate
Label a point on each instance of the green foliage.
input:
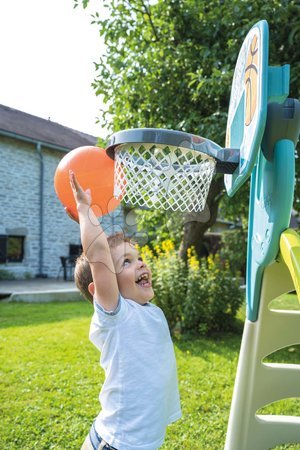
(169, 280)
(6, 275)
(160, 226)
(201, 297)
(213, 296)
(234, 249)
(187, 48)
(28, 275)
(236, 208)
(169, 63)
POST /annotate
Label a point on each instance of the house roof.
(19, 124)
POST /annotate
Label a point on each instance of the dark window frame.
(6, 248)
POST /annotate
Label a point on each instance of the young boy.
(139, 397)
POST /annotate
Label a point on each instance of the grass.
(50, 381)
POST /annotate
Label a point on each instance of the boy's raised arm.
(96, 249)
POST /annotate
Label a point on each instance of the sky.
(48, 50)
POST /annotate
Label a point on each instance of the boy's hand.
(81, 197)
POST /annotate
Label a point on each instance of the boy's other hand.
(81, 196)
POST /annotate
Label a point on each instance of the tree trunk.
(196, 224)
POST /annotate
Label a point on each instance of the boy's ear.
(91, 288)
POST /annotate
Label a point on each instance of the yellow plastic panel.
(290, 251)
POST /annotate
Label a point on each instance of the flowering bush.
(168, 277)
(213, 295)
(201, 296)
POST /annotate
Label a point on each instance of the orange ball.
(94, 170)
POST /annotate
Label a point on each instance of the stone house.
(35, 232)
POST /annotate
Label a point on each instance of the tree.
(169, 63)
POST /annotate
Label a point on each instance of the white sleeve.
(103, 318)
(115, 311)
(103, 322)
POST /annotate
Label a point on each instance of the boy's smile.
(133, 276)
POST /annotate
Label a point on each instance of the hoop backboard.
(248, 104)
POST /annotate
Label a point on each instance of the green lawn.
(50, 381)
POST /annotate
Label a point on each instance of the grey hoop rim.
(227, 159)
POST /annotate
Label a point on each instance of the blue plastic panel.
(248, 104)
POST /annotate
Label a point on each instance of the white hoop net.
(162, 177)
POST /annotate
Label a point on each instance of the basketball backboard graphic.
(248, 104)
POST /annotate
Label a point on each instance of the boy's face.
(133, 276)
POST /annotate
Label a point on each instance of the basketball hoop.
(162, 177)
(165, 169)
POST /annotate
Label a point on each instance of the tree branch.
(146, 11)
(132, 7)
(151, 22)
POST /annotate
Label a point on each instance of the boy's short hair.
(83, 274)
(119, 238)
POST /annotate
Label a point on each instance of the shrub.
(28, 276)
(168, 278)
(6, 275)
(202, 296)
(213, 295)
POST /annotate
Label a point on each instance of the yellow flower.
(193, 260)
(191, 251)
(194, 263)
(157, 249)
(210, 262)
(146, 253)
(167, 246)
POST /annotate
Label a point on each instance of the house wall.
(20, 209)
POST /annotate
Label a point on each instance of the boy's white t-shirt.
(140, 395)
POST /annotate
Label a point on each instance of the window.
(11, 248)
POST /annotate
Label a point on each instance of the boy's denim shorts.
(94, 442)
